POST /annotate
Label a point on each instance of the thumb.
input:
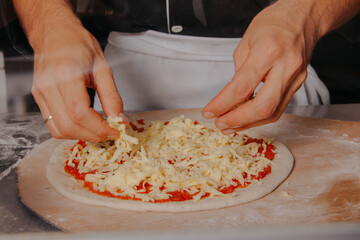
(105, 87)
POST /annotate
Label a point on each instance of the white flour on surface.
(7, 171)
(18, 135)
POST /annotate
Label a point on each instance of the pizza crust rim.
(73, 189)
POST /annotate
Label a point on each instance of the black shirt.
(210, 18)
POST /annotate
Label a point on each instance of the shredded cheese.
(179, 155)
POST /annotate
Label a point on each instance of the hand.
(66, 62)
(275, 49)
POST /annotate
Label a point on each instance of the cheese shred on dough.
(179, 155)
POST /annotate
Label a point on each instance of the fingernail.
(228, 131)
(124, 118)
(222, 125)
(208, 115)
(113, 137)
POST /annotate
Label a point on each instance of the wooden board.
(324, 184)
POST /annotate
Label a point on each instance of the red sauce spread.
(140, 121)
(176, 196)
(136, 128)
(269, 154)
(80, 142)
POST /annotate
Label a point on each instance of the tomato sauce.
(269, 153)
(176, 196)
(140, 121)
(136, 128)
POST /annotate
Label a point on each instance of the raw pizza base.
(73, 189)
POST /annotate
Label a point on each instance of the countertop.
(21, 133)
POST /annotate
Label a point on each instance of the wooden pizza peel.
(323, 187)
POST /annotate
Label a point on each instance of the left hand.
(275, 49)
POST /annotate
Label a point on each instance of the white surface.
(2, 61)
(261, 232)
(3, 95)
(18, 220)
(19, 77)
(345, 112)
(349, 231)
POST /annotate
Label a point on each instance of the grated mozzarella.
(178, 156)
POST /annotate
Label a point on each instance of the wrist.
(42, 20)
(322, 16)
(52, 29)
(299, 17)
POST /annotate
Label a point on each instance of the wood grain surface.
(323, 187)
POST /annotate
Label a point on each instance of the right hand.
(275, 49)
(66, 62)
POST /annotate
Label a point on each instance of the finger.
(77, 101)
(45, 114)
(60, 117)
(261, 107)
(241, 54)
(105, 87)
(289, 74)
(241, 86)
(289, 93)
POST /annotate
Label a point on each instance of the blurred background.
(336, 57)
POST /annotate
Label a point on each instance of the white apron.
(154, 70)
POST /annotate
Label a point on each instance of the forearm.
(326, 15)
(41, 17)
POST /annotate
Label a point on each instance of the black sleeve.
(336, 61)
(351, 29)
(11, 30)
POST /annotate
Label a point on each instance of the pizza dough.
(74, 189)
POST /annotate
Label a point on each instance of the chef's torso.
(178, 54)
